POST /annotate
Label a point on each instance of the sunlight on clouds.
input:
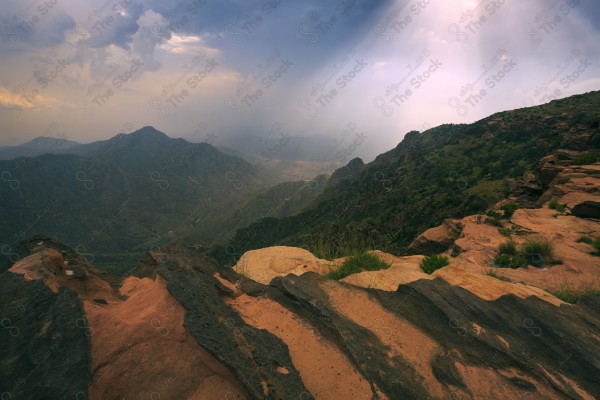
(181, 44)
(8, 100)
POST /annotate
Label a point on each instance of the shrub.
(358, 263)
(493, 218)
(537, 251)
(509, 209)
(585, 239)
(555, 205)
(509, 247)
(587, 158)
(594, 242)
(432, 263)
(494, 214)
(509, 261)
(505, 231)
(596, 245)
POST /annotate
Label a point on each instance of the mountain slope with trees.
(447, 171)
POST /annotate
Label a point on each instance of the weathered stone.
(45, 351)
(262, 265)
(251, 354)
(587, 209)
(437, 240)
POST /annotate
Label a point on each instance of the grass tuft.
(492, 272)
(432, 263)
(358, 263)
(509, 261)
(569, 294)
(555, 205)
(585, 239)
(537, 251)
(509, 247)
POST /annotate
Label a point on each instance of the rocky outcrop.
(393, 341)
(45, 351)
(402, 270)
(263, 265)
(427, 339)
(349, 172)
(195, 330)
(549, 167)
(587, 209)
(437, 240)
(256, 357)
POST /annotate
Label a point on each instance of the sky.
(361, 72)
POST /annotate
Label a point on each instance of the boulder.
(38, 264)
(437, 240)
(549, 168)
(265, 264)
(564, 154)
(75, 271)
(587, 209)
(52, 260)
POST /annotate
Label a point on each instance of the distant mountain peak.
(149, 131)
(47, 140)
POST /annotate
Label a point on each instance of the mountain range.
(445, 172)
(118, 198)
(461, 264)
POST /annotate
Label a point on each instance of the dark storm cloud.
(113, 29)
(250, 29)
(38, 27)
(346, 59)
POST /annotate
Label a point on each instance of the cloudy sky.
(215, 69)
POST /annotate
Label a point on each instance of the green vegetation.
(569, 294)
(493, 272)
(508, 231)
(509, 209)
(505, 231)
(591, 241)
(555, 205)
(432, 263)
(589, 157)
(358, 263)
(450, 171)
(585, 239)
(493, 218)
(509, 247)
(508, 261)
(536, 252)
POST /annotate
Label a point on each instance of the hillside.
(38, 146)
(119, 198)
(450, 171)
(282, 200)
(501, 304)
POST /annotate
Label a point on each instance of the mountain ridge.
(445, 172)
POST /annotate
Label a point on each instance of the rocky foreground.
(179, 326)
